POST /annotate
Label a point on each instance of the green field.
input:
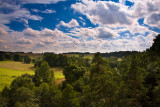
(119, 59)
(10, 69)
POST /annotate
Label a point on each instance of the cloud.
(48, 41)
(15, 12)
(49, 11)
(153, 20)
(115, 15)
(2, 41)
(47, 34)
(106, 33)
(110, 20)
(104, 13)
(3, 32)
(40, 44)
(143, 8)
(30, 32)
(72, 23)
(44, 11)
(55, 34)
(95, 33)
(23, 41)
(40, 1)
(83, 32)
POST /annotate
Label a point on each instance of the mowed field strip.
(10, 69)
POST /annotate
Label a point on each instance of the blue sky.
(78, 25)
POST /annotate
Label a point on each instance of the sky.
(78, 25)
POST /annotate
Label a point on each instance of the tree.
(2, 57)
(43, 74)
(38, 63)
(69, 97)
(27, 59)
(72, 73)
(48, 96)
(103, 87)
(25, 96)
(6, 91)
(55, 60)
(133, 81)
(22, 81)
(3, 101)
(156, 45)
(16, 57)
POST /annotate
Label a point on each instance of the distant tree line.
(59, 60)
(4, 56)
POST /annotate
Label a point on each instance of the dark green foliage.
(16, 57)
(79, 85)
(48, 96)
(134, 79)
(27, 59)
(5, 91)
(72, 73)
(25, 96)
(69, 97)
(43, 74)
(103, 86)
(156, 45)
(55, 60)
(9, 93)
(21, 81)
(2, 57)
(38, 63)
(9, 56)
(33, 61)
(3, 101)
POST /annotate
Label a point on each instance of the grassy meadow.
(10, 69)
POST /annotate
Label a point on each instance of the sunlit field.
(10, 70)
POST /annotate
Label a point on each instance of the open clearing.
(10, 69)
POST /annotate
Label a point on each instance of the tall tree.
(133, 80)
(43, 74)
(156, 45)
(102, 84)
(69, 97)
(72, 73)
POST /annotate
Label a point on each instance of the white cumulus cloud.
(72, 23)
(23, 41)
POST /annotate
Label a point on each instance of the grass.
(90, 56)
(7, 75)
(119, 59)
(58, 73)
(10, 70)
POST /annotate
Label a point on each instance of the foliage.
(156, 45)
(2, 57)
(48, 96)
(55, 60)
(38, 63)
(25, 97)
(72, 73)
(27, 59)
(103, 87)
(16, 57)
(69, 97)
(132, 82)
(43, 74)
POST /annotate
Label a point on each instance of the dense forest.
(99, 82)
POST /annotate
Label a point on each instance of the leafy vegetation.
(9, 70)
(130, 81)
